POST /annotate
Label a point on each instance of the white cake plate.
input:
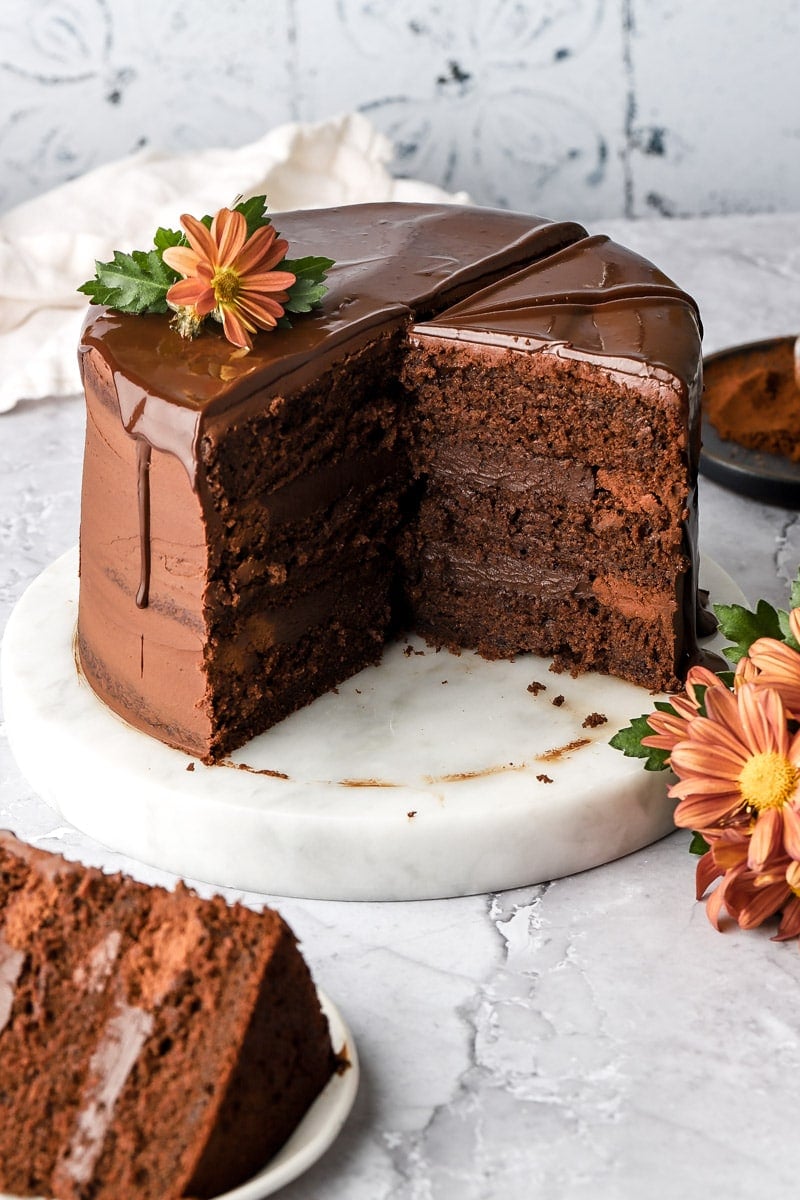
(429, 775)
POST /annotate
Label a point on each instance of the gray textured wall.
(579, 108)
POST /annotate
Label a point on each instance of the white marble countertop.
(593, 1037)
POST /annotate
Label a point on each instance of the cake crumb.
(557, 701)
(358, 691)
(190, 767)
(544, 779)
(536, 687)
(411, 814)
(444, 681)
(595, 719)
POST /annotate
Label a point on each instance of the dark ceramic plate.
(768, 477)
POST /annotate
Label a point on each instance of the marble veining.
(579, 108)
(593, 1037)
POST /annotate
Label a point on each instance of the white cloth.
(48, 245)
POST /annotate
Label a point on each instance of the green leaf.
(786, 629)
(794, 595)
(698, 844)
(629, 741)
(254, 212)
(134, 283)
(742, 626)
(168, 237)
(309, 288)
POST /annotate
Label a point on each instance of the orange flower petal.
(200, 238)
(790, 921)
(182, 259)
(235, 330)
(767, 838)
(745, 673)
(730, 853)
(716, 901)
(261, 247)
(722, 707)
(791, 831)
(711, 764)
(708, 737)
(706, 812)
(270, 282)
(261, 312)
(229, 231)
(194, 293)
(763, 719)
(778, 664)
(759, 904)
(707, 871)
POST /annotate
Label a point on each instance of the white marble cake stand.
(429, 775)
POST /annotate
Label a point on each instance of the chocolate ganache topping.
(393, 263)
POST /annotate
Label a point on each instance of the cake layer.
(643, 540)
(152, 1044)
(601, 623)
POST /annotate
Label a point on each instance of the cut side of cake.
(152, 1044)
(488, 432)
(552, 420)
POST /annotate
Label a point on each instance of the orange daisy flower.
(230, 275)
(750, 897)
(672, 727)
(739, 773)
(774, 664)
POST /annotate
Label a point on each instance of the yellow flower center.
(767, 780)
(226, 284)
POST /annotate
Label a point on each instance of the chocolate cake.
(555, 512)
(487, 432)
(152, 1044)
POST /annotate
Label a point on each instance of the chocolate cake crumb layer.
(152, 1044)
(489, 431)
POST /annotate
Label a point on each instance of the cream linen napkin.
(48, 245)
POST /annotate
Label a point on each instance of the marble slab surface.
(385, 788)
(591, 1037)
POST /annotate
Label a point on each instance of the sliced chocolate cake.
(489, 424)
(553, 420)
(152, 1044)
(240, 511)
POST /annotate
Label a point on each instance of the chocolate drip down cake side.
(488, 432)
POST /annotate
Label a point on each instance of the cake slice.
(153, 1045)
(553, 424)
